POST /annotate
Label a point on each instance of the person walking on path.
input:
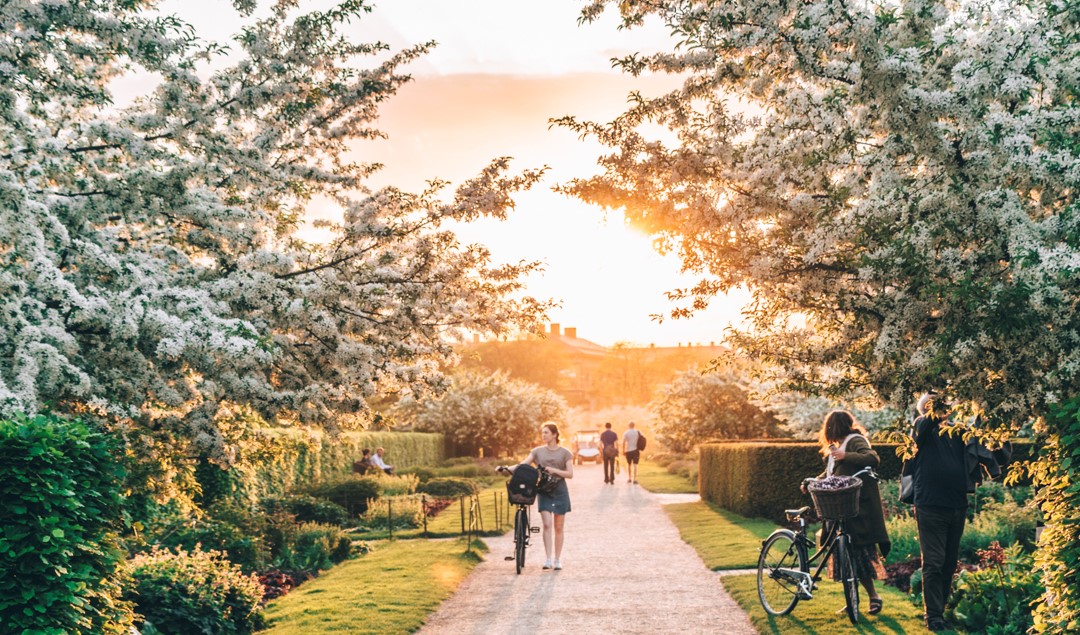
(631, 452)
(637, 577)
(609, 449)
(846, 450)
(554, 506)
(940, 478)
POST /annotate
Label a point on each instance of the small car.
(586, 447)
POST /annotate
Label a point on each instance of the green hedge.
(761, 479)
(59, 556)
(293, 459)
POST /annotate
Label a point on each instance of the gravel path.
(625, 570)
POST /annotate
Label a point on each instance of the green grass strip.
(723, 540)
(657, 479)
(819, 616)
(389, 590)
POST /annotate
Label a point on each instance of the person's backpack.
(521, 488)
(640, 441)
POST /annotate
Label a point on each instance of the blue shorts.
(558, 502)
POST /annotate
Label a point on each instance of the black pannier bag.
(521, 488)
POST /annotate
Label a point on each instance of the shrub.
(1004, 523)
(352, 492)
(997, 598)
(308, 509)
(904, 535)
(397, 485)
(424, 474)
(250, 551)
(194, 592)
(59, 546)
(449, 487)
(407, 513)
(312, 547)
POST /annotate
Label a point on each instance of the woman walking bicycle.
(846, 451)
(554, 505)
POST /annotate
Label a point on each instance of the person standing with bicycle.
(554, 506)
(846, 450)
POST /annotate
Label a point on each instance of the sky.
(500, 71)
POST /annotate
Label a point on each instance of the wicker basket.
(837, 504)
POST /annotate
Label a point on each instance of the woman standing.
(559, 462)
(847, 450)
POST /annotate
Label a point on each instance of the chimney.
(554, 328)
(571, 331)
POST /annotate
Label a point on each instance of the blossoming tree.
(895, 182)
(154, 264)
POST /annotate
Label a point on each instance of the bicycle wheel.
(779, 564)
(847, 575)
(521, 535)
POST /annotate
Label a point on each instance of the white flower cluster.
(904, 182)
(150, 265)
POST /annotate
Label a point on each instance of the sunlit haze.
(501, 70)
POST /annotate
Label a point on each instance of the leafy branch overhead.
(158, 260)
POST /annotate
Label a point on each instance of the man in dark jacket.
(940, 476)
(609, 448)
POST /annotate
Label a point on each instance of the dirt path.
(625, 571)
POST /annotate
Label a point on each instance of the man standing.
(609, 449)
(378, 461)
(630, 450)
(940, 479)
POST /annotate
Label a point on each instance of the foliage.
(396, 484)
(311, 547)
(997, 599)
(899, 221)
(153, 262)
(904, 534)
(449, 487)
(194, 592)
(405, 512)
(308, 509)
(1005, 523)
(352, 492)
(803, 415)
(698, 407)
(490, 411)
(243, 547)
(1055, 477)
(60, 561)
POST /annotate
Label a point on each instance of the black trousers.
(609, 469)
(940, 529)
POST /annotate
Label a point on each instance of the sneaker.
(547, 564)
(938, 625)
(558, 567)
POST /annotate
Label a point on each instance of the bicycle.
(783, 576)
(522, 529)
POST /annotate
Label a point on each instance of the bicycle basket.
(521, 488)
(836, 497)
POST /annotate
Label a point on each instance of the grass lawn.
(389, 590)
(723, 540)
(656, 478)
(819, 615)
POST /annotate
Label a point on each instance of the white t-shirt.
(630, 437)
(377, 461)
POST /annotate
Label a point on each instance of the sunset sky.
(501, 69)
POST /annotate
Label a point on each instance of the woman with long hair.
(554, 506)
(845, 448)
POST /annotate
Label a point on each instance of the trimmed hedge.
(761, 479)
(293, 459)
(59, 549)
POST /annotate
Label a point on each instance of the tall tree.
(488, 411)
(699, 407)
(899, 196)
(152, 266)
